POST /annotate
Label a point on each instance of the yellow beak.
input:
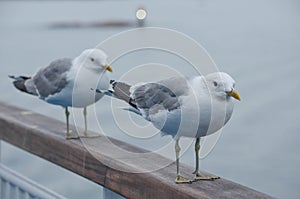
(233, 93)
(107, 67)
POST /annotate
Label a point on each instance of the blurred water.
(257, 42)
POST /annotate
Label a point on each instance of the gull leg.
(85, 120)
(179, 179)
(68, 134)
(197, 148)
(199, 176)
(86, 134)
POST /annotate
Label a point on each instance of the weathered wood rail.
(44, 137)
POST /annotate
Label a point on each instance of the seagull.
(182, 107)
(65, 81)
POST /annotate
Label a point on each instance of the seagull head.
(94, 59)
(221, 84)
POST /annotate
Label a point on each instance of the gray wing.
(163, 95)
(121, 90)
(53, 78)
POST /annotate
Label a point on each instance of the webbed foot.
(69, 136)
(181, 180)
(199, 176)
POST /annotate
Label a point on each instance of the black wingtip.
(19, 77)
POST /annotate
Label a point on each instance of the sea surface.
(256, 42)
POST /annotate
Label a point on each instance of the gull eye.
(215, 83)
(92, 59)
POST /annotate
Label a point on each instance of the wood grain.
(45, 138)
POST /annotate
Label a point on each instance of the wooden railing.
(45, 138)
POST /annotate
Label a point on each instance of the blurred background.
(257, 42)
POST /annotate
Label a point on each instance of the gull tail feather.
(121, 90)
(24, 84)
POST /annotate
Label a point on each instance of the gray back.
(52, 79)
(162, 95)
